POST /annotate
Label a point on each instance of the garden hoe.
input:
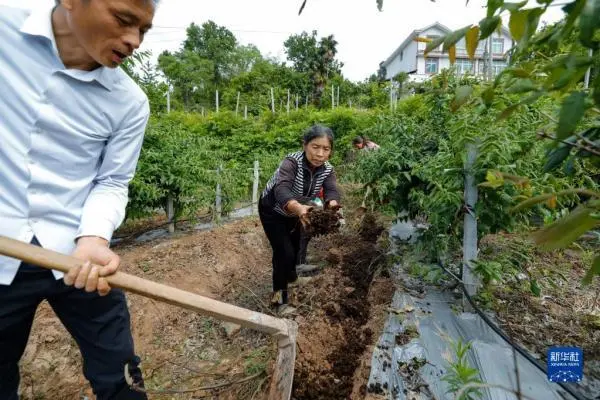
(284, 331)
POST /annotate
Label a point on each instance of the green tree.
(316, 58)
(372, 93)
(557, 74)
(302, 50)
(243, 59)
(174, 163)
(146, 76)
(190, 76)
(255, 86)
(215, 43)
(154, 88)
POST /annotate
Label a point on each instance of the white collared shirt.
(69, 140)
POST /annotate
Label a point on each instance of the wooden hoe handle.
(52, 260)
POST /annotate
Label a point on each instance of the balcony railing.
(460, 52)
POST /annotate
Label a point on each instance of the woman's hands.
(337, 207)
(333, 205)
(300, 210)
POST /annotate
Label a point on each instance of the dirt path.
(339, 313)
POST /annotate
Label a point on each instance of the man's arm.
(104, 208)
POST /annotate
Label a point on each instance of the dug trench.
(341, 328)
(340, 313)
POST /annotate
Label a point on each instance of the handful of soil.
(322, 222)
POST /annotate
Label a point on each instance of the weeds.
(460, 373)
(257, 361)
(431, 274)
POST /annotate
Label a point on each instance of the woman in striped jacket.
(285, 202)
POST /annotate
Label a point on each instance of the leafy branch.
(590, 147)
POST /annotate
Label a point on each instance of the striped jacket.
(294, 180)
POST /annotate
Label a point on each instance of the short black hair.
(154, 1)
(318, 131)
(358, 140)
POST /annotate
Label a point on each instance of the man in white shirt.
(71, 129)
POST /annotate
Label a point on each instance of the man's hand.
(93, 250)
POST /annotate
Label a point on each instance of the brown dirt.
(339, 314)
(322, 222)
(370, 229)
(340, 328)
(380, 295)
(178, 348)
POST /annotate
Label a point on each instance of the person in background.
(71, 130)
(286, 201)
(362, 143)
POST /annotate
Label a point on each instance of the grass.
(257, 360)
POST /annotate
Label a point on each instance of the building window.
(498, 46)
(461, 47)
(464, 66)
(498, 66)
(401, 55)
(431, 65)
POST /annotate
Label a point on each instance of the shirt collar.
(39, 23)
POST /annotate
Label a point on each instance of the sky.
(365, 35)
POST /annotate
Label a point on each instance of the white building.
(409, 57)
